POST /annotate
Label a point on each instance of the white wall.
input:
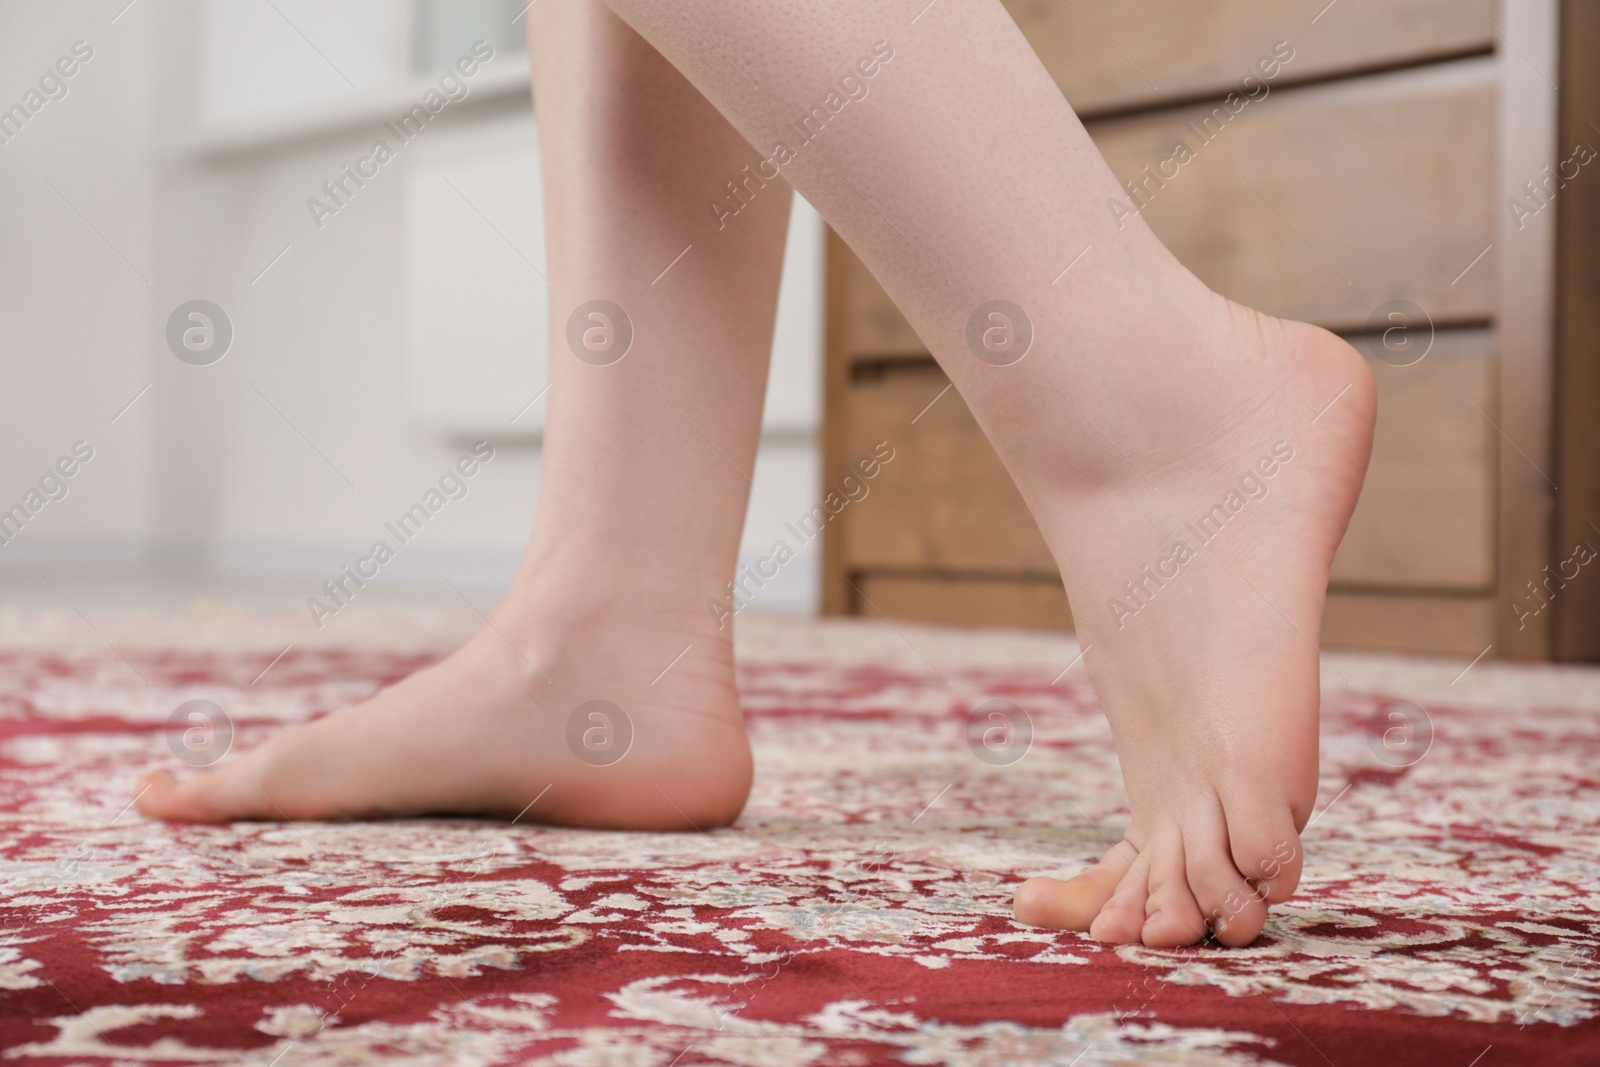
(191, 141)
(78, 277)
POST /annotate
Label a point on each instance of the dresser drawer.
(1396, 622)
(1427, 512)
(1320, 204)
(946, 502)
(1331, 200)
(1425, 520)
(1113, 54)
(1026, 603)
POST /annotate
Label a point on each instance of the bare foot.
(490, 730)
(1197, 576)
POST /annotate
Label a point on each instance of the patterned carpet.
(858, 913)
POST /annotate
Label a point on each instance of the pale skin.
(959, 175)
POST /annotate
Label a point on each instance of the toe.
(1122, 919)
(1232, 906)
(1172, 917)
(1074, 903)
(219, 795)
(1264, 844)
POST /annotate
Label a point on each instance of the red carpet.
(858, 913)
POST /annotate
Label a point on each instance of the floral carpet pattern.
(857, 913)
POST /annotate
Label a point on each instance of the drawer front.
(1331, 200)
(945, 503)
(1112, 54)
(1437, 625)
(1320, 204)
(1021, 603)
(1425, 520)
(1427, 511)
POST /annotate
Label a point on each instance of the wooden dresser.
(1376, 187)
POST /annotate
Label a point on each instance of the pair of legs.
(960, 176)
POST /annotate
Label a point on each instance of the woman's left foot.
(577, 709)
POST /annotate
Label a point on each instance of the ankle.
(610, 569)
(565, 595)
(1186, 383)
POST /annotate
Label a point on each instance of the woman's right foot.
(575, 710)
(1196, 561)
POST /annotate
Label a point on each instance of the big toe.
(218, 795)
(1072, 904)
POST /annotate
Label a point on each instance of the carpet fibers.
(859, 911)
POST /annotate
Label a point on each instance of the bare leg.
(644, 495)
(934, 142)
